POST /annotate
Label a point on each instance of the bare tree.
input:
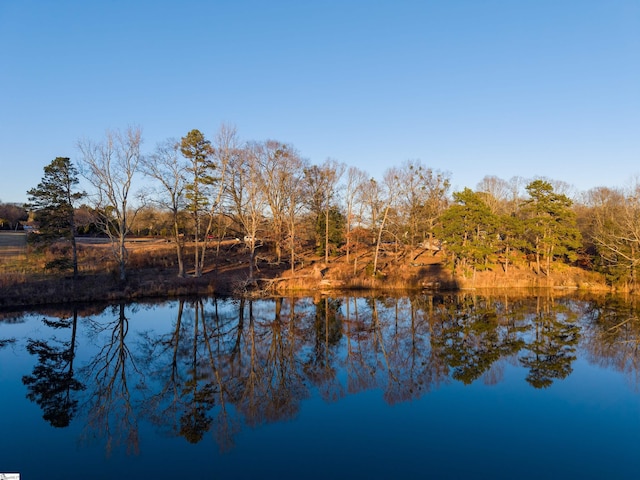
(390, 193)
(281, 169)
(11, 214)
(516, 193)
(437, 198)
(293, 205)
(615, 231)
(282, 183)
(495, 192)
(246, 197)
(370, 197)
(110, 166)
(356, 179)
(168, 168)
(421, 195)
(226, 148)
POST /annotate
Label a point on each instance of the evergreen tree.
(335, 232)
(510, 237)
(550, 224)
(468, 227)
(199, 152)
(52, 204)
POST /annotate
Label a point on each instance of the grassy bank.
(152, 272)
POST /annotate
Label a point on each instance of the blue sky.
(474, 88)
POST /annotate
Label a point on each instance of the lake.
(427, 386)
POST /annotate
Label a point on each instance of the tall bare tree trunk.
(326, 236)
(375, 258)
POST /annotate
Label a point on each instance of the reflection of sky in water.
(348, 416)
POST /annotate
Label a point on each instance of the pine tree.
(551, 224)
(468, 227)
(198, 151)
(52, 204)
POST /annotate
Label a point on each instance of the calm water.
(421, 387)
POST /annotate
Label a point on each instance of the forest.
(200, 194)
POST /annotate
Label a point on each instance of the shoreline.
(152, 273)
(89, 288)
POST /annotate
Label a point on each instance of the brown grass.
(152, 272)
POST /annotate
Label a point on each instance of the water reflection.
(110, 406)
(612, 335)
(471, 334)
(53, 384)
(552, 350)
(216, 366)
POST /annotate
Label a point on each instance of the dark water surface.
(451, 386)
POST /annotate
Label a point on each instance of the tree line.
(202, 191)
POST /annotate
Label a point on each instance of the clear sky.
(473, 87)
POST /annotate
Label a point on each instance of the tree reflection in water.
(612, 335)
(111, 413)
(52, 384)
(191, 386)
(471, 334)
(219, 365)
(319, 367)
(553, 348)
(6, 342)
